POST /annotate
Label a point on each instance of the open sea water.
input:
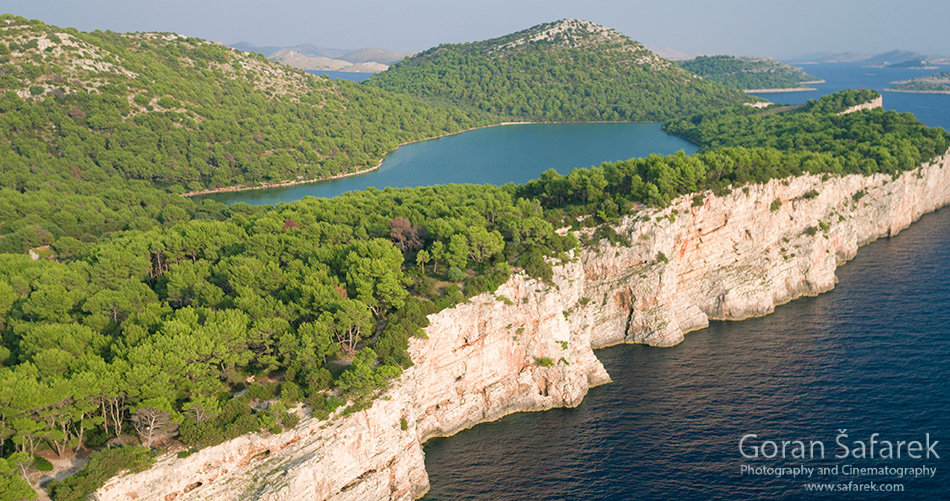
(871, 356)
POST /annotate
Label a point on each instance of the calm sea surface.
(872, 356)
(931, 109)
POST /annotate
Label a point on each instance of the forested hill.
(748, 73)
(187, 114)
(938, 83)
(569, 70)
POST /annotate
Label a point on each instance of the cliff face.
(511, 351)
(363, 456)
(529, 345)
(877, 102)
(740, 255)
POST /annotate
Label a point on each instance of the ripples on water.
(871, 356)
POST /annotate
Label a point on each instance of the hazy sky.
(740, 27)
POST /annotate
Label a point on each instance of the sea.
(864, 365)
(858, 376)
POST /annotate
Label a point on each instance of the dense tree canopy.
(747, 72)
(579, 74)
(151, 332)
(745, 145)
(865, 142)
(188, 114)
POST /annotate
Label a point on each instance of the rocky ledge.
(528, 346)
(877, 102)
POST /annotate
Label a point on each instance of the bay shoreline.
(282, 184)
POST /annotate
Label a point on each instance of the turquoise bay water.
(495, 155)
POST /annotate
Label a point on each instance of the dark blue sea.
(869, 359)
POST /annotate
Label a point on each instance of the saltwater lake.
(342, 75)
(495, 155)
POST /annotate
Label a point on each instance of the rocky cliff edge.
(528, 346)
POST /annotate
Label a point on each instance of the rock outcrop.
(528, 346)
(742, 254)
(511, 351)
(877, 102)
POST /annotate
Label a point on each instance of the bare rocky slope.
(316, 58)
(304, 62)
(529, 345)
(877, 102)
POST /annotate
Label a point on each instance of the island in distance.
(898, 58)
(751, 74)
(316, 58)
(938, 83)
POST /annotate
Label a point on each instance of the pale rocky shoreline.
(877, 102)
(529, 346)
(919, 91)
(773, 91)
(284, 184)
(803, 88)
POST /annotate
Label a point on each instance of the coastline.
(480, 359)
(919, 91)
(265, 186)
(771, 91)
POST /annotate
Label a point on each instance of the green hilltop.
(569, 70)
(188, 114)
(747, 73)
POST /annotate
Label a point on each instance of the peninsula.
(751, 74)
(526, 346)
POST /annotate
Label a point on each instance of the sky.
(737, 27)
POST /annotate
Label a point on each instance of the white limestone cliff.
(877, 102)
(742, 254)
(529, 345)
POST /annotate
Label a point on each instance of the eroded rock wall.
(877, 102)
(528, 346)
(740, 255)
(506, 352)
